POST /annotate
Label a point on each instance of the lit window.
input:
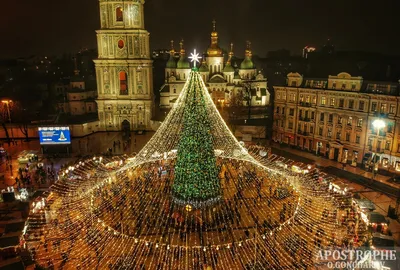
(123, 83)
(119, 14)
(349, 121)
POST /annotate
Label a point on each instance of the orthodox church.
(224, 80)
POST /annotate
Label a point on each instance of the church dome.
(204, 68)
(228, 68)
(183, 63)
(214, 49)
(247, 64)
(171, 62)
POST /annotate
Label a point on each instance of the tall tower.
(215, 57)
(123, 68)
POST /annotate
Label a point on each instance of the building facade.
(124, 67)
(77, 98)
(333, 117)
(223, 79)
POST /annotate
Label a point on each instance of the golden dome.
(214, 49)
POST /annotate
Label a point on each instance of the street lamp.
(378, 124)
(7, 102)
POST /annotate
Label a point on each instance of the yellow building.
(333, 117)
(124, 69)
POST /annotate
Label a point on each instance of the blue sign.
(54, 135)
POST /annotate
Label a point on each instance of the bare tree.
(247, 97)
(4, 118)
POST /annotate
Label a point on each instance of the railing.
(305, 104)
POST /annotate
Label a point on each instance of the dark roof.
(14, 227)
(77, 119)
(164, 88)
(9, 241)
(375, 217)
(76, 90)
(217, 79)
(15, 265)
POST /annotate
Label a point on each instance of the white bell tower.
(124, 67)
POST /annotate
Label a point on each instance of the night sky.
(49, 27)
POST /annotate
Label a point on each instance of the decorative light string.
(120, 213)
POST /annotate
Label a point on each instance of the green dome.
(247, 64)
(228, 68)
(183, 63)
(204, 68)
(171, 62)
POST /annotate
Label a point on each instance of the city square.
(222, 151)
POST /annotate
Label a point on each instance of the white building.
(123, 68)
(223, 79)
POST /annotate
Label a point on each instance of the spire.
(214, 49)
(182, 49)
(171, 61)
(248, 49)
(228, 67)
(230, 54)
(76, 70)
(172, 51)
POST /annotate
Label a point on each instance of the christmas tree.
(196, 174)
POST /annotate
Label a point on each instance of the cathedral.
(224, 80)
(124, 67)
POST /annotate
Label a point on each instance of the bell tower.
(123, 67)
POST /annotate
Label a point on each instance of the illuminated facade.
(123, 68)
(223, 79)
(333, 117)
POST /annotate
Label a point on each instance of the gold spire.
(248, 49)
(76, 70)
(214, 33)
(182, 49)
(230, 54)
(172, 51)
(214, 49)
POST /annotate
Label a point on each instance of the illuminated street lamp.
(7, 102)
(378, 124)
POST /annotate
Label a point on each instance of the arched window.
(119, 14)
(123, 83)
(174, 91)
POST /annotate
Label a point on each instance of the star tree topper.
(195, 57)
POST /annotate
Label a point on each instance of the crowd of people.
(134, 209)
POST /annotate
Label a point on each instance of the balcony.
(305, 119)
(381, 115)
(304, 104)
(304, 133)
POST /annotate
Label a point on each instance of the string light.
(192, 195)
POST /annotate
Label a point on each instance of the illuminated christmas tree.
(196, 174)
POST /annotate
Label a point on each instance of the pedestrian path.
(323, 162)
